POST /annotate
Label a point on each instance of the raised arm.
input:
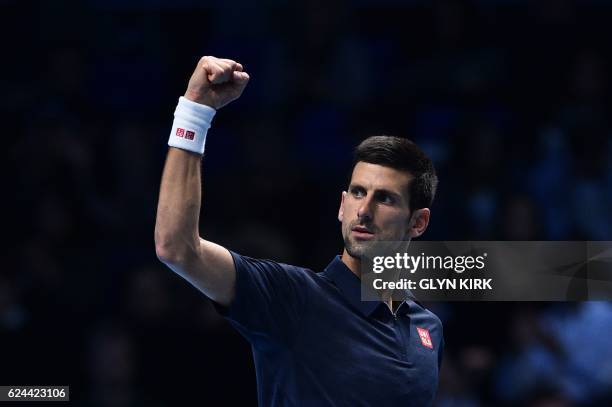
(207, 266)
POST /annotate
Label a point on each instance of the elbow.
(165, 253)
(171, 252)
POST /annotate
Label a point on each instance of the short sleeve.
(270, 300)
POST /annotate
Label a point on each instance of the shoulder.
(270, 269)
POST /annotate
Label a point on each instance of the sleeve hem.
(228, 311)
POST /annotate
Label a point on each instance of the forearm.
(207, 266)
(178, 210)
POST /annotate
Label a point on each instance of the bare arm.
(206, 265)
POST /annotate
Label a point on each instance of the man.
(315, 343)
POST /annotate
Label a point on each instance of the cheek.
(393, 222)
(350, 210)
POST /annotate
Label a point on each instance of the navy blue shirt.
(315, 343)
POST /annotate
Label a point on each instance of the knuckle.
(225, 67)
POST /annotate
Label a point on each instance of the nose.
(365, 210)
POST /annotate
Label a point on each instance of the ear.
(341, 210)
(418, 222)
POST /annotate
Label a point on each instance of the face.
(376, 208)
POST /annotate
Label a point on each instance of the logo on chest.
(425, 338)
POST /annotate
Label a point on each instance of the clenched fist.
(216, 82)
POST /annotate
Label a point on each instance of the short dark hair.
(404, 155)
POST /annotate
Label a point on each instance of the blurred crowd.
(511, 99)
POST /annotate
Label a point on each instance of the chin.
(356, 249)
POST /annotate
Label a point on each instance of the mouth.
(362, 233)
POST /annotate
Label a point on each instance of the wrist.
(191, 123)
(197, 97)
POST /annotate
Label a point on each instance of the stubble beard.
(357, 250)
(366, 249)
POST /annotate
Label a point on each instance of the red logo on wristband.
(180, 132)
(190, 135)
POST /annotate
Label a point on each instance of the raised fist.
(216, 82)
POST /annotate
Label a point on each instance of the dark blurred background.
(511, 98)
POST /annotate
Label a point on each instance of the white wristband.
(191, 122)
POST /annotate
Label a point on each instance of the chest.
(382, 355)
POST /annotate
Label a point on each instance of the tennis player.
(314, 341)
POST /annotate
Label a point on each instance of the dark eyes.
(385, 198)
(379, 196)
(358, 192)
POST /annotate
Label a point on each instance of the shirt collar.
(350, 285)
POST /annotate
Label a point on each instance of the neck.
(353, 263)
